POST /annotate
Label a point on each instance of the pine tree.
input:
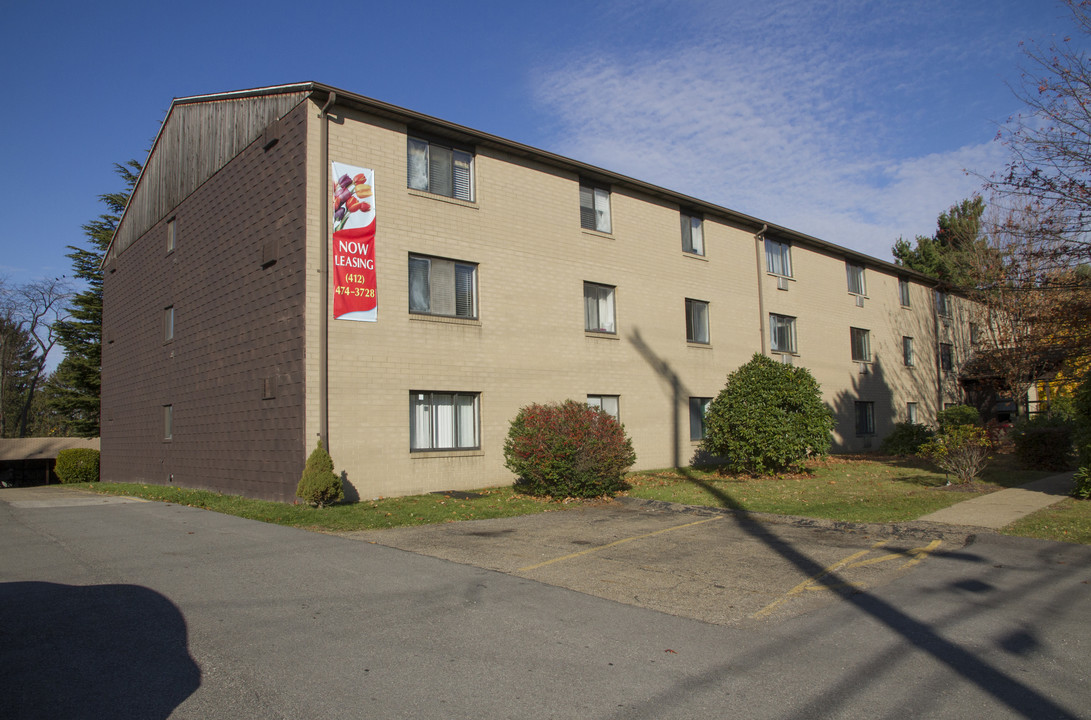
(78, 377)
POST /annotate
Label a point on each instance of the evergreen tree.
(956, 244)
(75, 391)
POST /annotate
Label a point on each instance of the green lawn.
(847, 488)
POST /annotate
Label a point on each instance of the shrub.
(78, 465)
(1043, 442)
(957, 415)
(567, 450)
(768, 418)
(961, 450)
(319, 485)
(1082, 483)
(906, 439)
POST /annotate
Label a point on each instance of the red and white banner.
(355, 293)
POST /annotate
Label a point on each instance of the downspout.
(759, 238)
(324, 276)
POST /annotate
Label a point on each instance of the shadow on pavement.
(1005, 688)
(94, 651)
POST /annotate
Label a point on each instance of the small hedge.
(78, 465)
(906, 439)
(567, 450)
(957, 415)
(320, 485)
(962, 450)
(1043, 444)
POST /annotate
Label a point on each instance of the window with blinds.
(594, 208)
(693, 235)
(778, 258)
(782, 333)
(598, 308)
(439, 169)
(696, 321)
(442, 287)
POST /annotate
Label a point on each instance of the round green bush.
(567, 450)
(906, 439)
(320, 485)
(957, 415)
(768, 418)
(78, 465)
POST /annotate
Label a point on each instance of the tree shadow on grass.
(98, 651)
(1005, 688)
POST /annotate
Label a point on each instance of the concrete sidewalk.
(1000, 508)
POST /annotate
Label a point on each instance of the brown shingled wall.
(238, 333)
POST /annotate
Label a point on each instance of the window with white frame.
(609, 404)
(693, 234)
(782, 333)
(907, 351)
(911, 413)
(442, 287)
(778, 257)
(943, 304)
(946, 357)
(698, 410)
(598, 308)
(594, 208)
(168, 323)
(696, 321)
(440, 169)
(855, 275)
(443, 420)
(903, 292)
(865, 418)
(861, 344)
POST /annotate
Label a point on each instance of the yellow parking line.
(803, 585)
(612, 544)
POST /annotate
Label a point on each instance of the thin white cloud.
(793, 118)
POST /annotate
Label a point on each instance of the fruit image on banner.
(355, 294)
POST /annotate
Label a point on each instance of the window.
(903, 291)
(170, 235)
(856, 279)
(598, 308)
(946, 360)
(442, 287)
(861, 344)
(443, 421)
(911, 412)
(865, 418)
(594, 208)
(693, 235)
(168, 323)
(698, 409)
(168, 422)
(907, 351)
(782, 333)
(440, 170)
(607, 403)
(943, 304)
(696, 321)
(778, 258)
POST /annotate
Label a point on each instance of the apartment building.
(300, 262)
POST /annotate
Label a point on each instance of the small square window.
(865, 418)
(598, 308)
(861, 344)
(903, 292)
(782, 333)
(168, 324)
(439, 169)
(609, 404)
(696, 321)
(855, 275)
(442, 287)
(443, 420)
(594, 208)
(693, 235)
(778, 257)
(698, 410)
(907, 351)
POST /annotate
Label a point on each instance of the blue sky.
(850, 120)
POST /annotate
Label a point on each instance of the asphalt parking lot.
(718, 567)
